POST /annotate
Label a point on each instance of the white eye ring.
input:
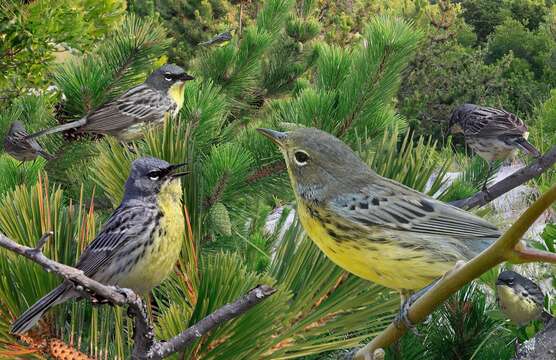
(154, 178)
(167, 78)
(300, 157)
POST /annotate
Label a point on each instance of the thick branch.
(145, 347)
(527, 173)
(502, 250)
(225, 313)
(67, 272)
(541, 347)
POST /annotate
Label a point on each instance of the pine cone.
(221, 219)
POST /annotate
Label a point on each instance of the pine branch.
(269, 170)
(506, 248)
(361, 101)
(145, 345)
(521, 176)
(225, 313)
(217, 191)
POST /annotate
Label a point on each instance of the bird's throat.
(176, 93)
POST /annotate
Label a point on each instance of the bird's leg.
(403, 316)
(408, 299)
(484, 188)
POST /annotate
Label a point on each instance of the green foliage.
(118, 63)
(37, 33)
(484, 15)
(335, 65)
(543, 135)
(533, 47)
(412, 163)
(459, 329)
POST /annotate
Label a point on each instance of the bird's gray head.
(318, 163)
(148, 176)
(458, 117)
(514, 280)
(164, 77)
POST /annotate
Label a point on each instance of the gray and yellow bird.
(520, 299)
(159, 97)
(20, 147)
(372, 226)
(494, 134)
(139, 244)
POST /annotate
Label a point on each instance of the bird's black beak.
(186, 77)
(500, 282)
(277, 137)
(173, 170)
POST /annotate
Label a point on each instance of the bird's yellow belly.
(161, 256)
(386, 264)
(517, 308)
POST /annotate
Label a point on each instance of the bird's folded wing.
(495, 122)
(125, 225)
(140, 104)
(400, 208)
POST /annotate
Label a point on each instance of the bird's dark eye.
(301, 157)
(168, 77)
(154, 175)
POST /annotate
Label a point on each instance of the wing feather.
(125, 226)
(400, 208)
(141, 104)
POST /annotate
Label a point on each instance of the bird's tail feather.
(45, 155)
(59, 128)
(32, 315)
(527, 147)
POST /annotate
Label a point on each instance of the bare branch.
(74, 275)
(527, 173)
(502, 250)
(225, 313)
(145, 347)
(42, 241)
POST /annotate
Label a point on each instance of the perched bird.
(520, 299)
(220, 39)
(20, 147)
(125, 118)
(139, 244)
(493, 134)
(372, 226)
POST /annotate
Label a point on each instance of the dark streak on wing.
(140, 104)
(125, 225)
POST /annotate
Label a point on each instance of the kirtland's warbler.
(126, 117)
(493, 134)
(520, 299)
(139, 244)
(20, 147)
(371, 226)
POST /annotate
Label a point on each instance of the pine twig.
(527, 173)
(502, 250)
(225, 313)
(217, 191)
(269, 170)
(145, 346)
